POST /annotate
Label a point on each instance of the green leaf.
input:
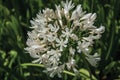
(13, 55)
(86, 75)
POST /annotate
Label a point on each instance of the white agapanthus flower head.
(58, 35)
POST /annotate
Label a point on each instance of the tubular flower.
(61, 34)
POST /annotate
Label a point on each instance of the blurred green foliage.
(15, 16)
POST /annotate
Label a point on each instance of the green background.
(15, 63)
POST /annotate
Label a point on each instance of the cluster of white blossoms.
(58, 35)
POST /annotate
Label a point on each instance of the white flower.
(49, 14)
(88, 21)
(58, 11)
(51, 37)
(71, 63)
(61, 43)
(99, 30)
(72, 51)
(54, 28)
(35, 50)
(74, 37)
(39, 22)
(67, 6)
(89, 39)
(67, 33)
(43, 36)
(52, 71)
(58, 35)
(83, 47)
(93, 59)
(86, 16)
(77, 13)
(59, 16)
(54, 56)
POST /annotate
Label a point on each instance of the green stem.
(69, 73)
(31, 64)
(111, 44)
(40, 65)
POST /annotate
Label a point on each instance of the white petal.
(37, 60)
(93, 17)
(87, 16)
(34, 55)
